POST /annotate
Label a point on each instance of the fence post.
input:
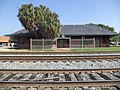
(70, 43)
(94, 42)
(43, 43)
(30, 43)
(56, 42)
(82, 43)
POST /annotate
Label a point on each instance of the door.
(62, 43)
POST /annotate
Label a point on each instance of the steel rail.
(60, 83)
(56, 58)
(62, 55)
(57, 70)
(99, 52)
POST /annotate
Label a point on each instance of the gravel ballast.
(98, 64)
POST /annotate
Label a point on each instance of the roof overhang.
(19, 35)
(89, 35)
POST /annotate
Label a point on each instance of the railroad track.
(62, 88)
(58, 56)
(67, 71)
(100, 52)
(61, 58)
(60, 78)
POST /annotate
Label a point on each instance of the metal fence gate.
(51, 44)
(42, 44)
(82, 43)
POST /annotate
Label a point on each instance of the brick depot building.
(89, 31)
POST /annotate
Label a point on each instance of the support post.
(56, 42)
(82, 43)
(94, 42)
(31, 44)
(70, 43)
(43, 44)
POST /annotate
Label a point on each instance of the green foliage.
(113, 38)
(14, 39)
(106, 27)
(39, 18)
(116, 38)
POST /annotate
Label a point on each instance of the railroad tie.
(85, 76)
(32, 88)
(111, 76)
(72, 76)
(98, 77)
(105, 88)
(20, 77)
(104, 76)
(15, 77)
(62, 77)
(22, 88)
(116, 74)
(1, 75)
(92, 76)
(67, 77)
(10, 76)
(78, 76)
(39, 77)
(14, 88)
(32, 76)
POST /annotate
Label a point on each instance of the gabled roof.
(74, 30)
(22, 32)
(83, 30)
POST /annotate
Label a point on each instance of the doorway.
(62, 43)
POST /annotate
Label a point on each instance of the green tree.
(39, 20)
(115, 39)
(106, 27)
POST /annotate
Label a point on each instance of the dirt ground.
(6, 49)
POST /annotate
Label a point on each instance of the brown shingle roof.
(84, 30)
(75, 30)
(4, 39)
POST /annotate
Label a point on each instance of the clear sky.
(70, 12)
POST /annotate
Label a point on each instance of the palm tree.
(26, 16)
(39, 18)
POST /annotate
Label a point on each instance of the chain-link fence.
(82, 43)
(51, 44)
(76, 43)
(42, 44)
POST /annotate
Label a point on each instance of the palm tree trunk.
(36, 35)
